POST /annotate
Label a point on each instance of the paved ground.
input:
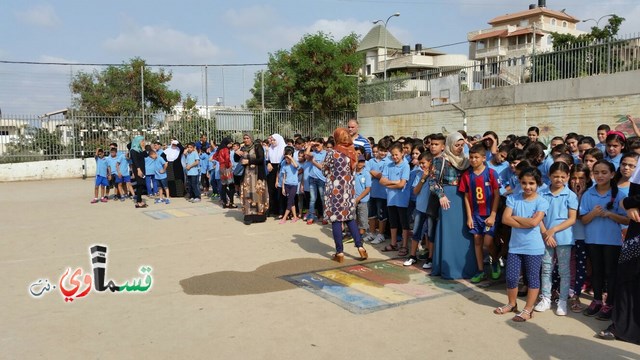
(216, 292)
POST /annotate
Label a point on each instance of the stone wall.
(557, 107)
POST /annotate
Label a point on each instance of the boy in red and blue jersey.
(481, 200)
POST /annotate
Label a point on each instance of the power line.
(107, 64)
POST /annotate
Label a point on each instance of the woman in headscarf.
(454, 256)
(339, 195)
(254, 194)
(137, 155)
(223, 156)
(275, 155)
(175, 171)
(626, 306)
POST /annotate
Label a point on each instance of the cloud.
(39, 15)
(163, 44)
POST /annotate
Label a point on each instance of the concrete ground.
(216, 293)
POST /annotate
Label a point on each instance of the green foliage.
(117, 90)
(577, 56)
(35, 144)
(316, 74)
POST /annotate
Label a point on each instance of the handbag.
(238, 170)
(433, 208)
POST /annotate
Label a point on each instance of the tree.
(318, 74)
(116, 90)
(583, 55)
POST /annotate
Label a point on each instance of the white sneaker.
(544, 304)
(379, 239)
(427, 265)
(410, 261)
(562, 308)
(368, 237)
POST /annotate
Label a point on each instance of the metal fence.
(78, 135)
(578, 60)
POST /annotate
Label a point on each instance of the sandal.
(575, 305)
(608, 333)
(523, 316)
(390, 247)
(403, 251)
(141, 206)
(505, 309)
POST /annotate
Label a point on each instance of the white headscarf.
(459, 162)
(172, 152)
(276, 152)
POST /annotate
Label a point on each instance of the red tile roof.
(491, 34)
(531, 12)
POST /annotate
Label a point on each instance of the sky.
(221, 34)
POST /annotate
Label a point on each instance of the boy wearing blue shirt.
(124, 178)
(149, 176)
(102, 173)
(378, 212)
(112, 160)
(289, 180)
(420, 188)
(160, 177)
(362, 188)
(192, 161)
(305, 171)
(204, 170)
(316, 177)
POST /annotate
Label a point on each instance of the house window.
(368, 69)
(4, 133)
(549, 40)
(480, 45)
(524, 23)
(553, 22)
(564, 24)
(463, 76)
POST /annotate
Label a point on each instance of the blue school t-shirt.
(101, 166)
(393, 171)
(422, 199)
(123, 166)
(412, 177)
(319, 158)
(112, 163)
(615, 160)
(215, 165)
(148, 166)
(377, 191)
(290, 173)
(526, 241)
(204, 163)
(362, 182)
(501, 170)
(158, 167)
(306, 171)
(601, 230)
(558, 212)
(192, 157)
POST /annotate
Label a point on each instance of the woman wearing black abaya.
(626, 306)
(175, 171)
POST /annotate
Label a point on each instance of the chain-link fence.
(572, 61)
(77, 135)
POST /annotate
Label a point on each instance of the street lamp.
(385, 42)
(598, 21)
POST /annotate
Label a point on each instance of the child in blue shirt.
(362, 189)
(112, 161)
(315, 155)
(289, 174)
(524, 213)
(102, 174)
(124, 176)
(160, 177)
(601, 215)
(304, 169)
(214, 177)
(378, 211)
(420, 188)
(149, 176)
(192, 161)
(204, 170)
(557, 233)
(395, 177)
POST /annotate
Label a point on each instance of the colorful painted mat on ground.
(375, 286)
(184, 212)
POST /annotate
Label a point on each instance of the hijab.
(135, 143)
(247, 148)
(344, 145)
(459, 162)
(224, 143)
(276, 152)
(172, 152)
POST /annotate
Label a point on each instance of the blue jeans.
(563, 254)
(151, 184)
(315, 186)
(420, 225)
(194, 186)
